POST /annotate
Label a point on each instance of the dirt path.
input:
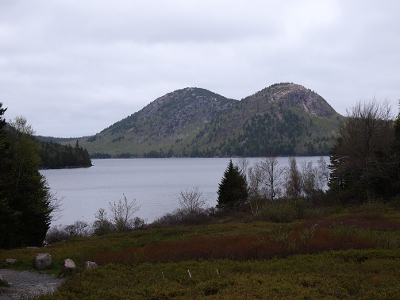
(27, 284)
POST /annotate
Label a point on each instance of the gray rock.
(42, 261)
(90, 265)
(68, 268)
(10, 261)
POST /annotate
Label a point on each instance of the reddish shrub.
(331, 234)
(364, 220)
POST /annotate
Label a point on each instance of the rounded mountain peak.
(296, 96)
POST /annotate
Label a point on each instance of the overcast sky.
(74, 67)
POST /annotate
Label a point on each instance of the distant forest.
(56, 156)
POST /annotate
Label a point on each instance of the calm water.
(154, 183)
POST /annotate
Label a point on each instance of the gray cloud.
(73, 68)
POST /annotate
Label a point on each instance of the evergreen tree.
(25, 201)
(8, 216)
(232, 191)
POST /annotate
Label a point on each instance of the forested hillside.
(284, 118)
(57, 156)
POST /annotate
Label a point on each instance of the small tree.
(122, 213)
(191, 200)
(255, 178)
(232, 191)
(323, 173)
(101, 226)
(272, 176)
(309, 178)
(293, 180)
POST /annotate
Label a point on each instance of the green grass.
(324, 276)
(348, 256)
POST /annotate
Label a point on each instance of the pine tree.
(8, 216)
(24, 197)
(232, 192)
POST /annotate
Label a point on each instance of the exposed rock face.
(186, 103)
(42, 261)
(293, 95)
(174, 113)
(90, 265)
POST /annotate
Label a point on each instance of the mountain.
(285, 118)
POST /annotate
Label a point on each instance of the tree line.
(57, 156)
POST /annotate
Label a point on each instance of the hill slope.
(285, 118)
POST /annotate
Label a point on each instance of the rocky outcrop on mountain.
(171, 114)
(292, 96)
(185, 105)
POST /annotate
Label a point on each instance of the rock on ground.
(42, 261)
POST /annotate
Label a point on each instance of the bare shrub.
(78, 229)
(55, 204)
(192, 201)
(192, 210)
(121, 214)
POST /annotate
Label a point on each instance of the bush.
(121, 218)
(121, 214)
(62, 233)
(279, 213)
(101, 226)
(184, 217)
(283, 211)
(138, 223)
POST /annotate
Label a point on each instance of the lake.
(154, 183)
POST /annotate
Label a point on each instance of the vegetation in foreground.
(349, 255)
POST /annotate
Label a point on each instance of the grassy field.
(348, 256)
